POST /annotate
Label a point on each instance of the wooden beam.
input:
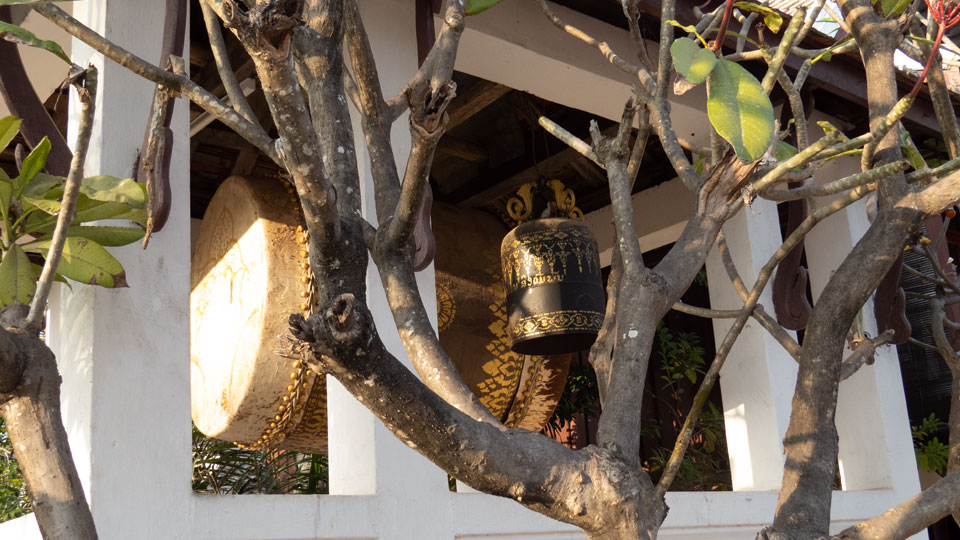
(474, 100)
(466, 150)
(531, 174)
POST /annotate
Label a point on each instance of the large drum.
(250, 271)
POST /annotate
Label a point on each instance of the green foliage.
(681, 356)
(475, 7)
(581, 395)
(14, 501)
(893, 7)
(12, 32)
(690, 29)
(739, 110)
(771, 17)
(222, 468)
(691, 61)
(29, 204)
(932, 455)
(704, 466)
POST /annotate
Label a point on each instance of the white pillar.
(758, 378)
(876, 448)
(124, 354)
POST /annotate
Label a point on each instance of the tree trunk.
(32, 415)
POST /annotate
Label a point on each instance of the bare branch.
(603, 47)
(570, 140)
(843, 184)
(87, 92)
(207, 101)
(912, 516)
(428, 120)
(713, 372)
(864, 354)
(219, 49)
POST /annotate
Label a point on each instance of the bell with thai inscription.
(555, 297)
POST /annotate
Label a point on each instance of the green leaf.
(12, 32)
(56, 277)
(112, 189)
(827, 55)
(893, 7)
(18, 281)
(41, 184)
(784, 150)
(86, 261)
(87, 210)
(107, 235)
(691, 61)
(690, 29)
(771, 18)
(475, 7)
(34, 162)
(739, 110)
(6, 193)
(45, 205)
(9, 127)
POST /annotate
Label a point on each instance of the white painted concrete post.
(876, 449)
(758, 378)
(124, 354)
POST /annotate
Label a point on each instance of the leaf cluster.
(932, 455)
(221, 467)
(29, 205)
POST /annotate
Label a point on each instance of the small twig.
(222, 60)
(706, 313)
(207, 101)
(722, 31)
(602, 46)
(790, 35)
(864, 354)
(571, 140)
(68, 204)
(843, 184)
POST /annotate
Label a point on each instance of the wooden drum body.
(249, 273)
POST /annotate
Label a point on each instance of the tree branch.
(87, 91)
(222, 60)
(207, 101)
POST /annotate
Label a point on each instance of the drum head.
(248, 275)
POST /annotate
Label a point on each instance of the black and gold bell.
(555, 297)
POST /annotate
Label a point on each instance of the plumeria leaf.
(771, 18)
(18, 281)
(475, 7)
(691, 61)
(34, 162)
(86, 261)
(739, 110)
(9, 127)
(17, 34)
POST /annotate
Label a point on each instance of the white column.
(758, 378)
(876, 448)
(124, 354)
(365, 458)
